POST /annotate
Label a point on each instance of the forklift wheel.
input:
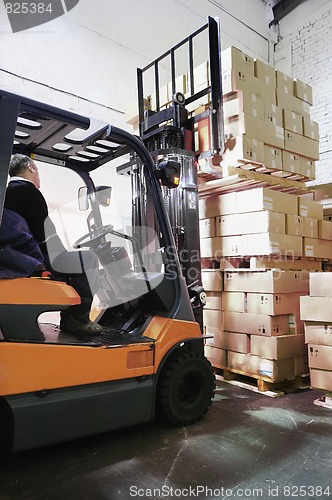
(185, 388)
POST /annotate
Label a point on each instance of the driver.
(78, 268)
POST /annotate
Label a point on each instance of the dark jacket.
(24, 198)
(20, 254)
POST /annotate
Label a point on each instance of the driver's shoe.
(72, 325)
(76, 320)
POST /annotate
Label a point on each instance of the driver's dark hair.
(18, 164)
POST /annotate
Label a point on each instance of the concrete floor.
(249, 446)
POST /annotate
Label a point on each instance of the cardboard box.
(237, 79)
(212, 280)
(234, 302)
(303, 91)
(291, 162)
(243, 101)
(266, 281)
(204, 100)
(320, 284)
(213, 300)
(216, 356)
(272, 157)
(292, 122)
(235, 58)
(273, 114)
(251, 222)
(292, 103)
(301, 365)
(316, 309)
(321, 379)
(242, 149)
(271, 243)
(211, 206)
(280, 347)
(325, 229)
(310, 129)
(299, 144)
(307, 167)
(213, 318)
(254, 200)
(237, 342)
(131, 110)
(279, 262)
(316, 332)
(272, 304)
(272, 370)
(228, 246)
(203, 139)
(202, 76)
(323, 193)
(320, 356)
(319, 249)
(164, 98)
(265, 72)
(296, 325)
(261, 130)
(284, 83)
(310, 208)
(214, 339)
(256, 324)
(181, 84)
(294, 225)
(327, 214)
(310, 227)
(207, 227)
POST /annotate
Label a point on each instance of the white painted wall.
(304, 52)
(86, 60)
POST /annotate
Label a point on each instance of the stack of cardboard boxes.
(267, 118)
(253, 321)
(251, 315)
(263, 222)
(266, 115)
(316, 311)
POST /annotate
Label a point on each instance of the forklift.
(149, 360)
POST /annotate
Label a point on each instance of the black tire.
(185, 388)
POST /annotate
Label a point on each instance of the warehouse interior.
(249, 193)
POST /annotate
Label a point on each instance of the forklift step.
(115, 337)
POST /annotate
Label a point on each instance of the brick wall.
(309, 49)
(312, 63)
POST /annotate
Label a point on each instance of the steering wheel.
(88, 240)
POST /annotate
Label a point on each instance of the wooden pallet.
(264, 263)
(262, 384)
(239, 179)
(263, 169)
(271, 262)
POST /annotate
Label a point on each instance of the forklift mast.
(168, 133)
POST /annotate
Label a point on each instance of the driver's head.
(25, 167)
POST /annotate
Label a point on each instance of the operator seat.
(22, 300)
